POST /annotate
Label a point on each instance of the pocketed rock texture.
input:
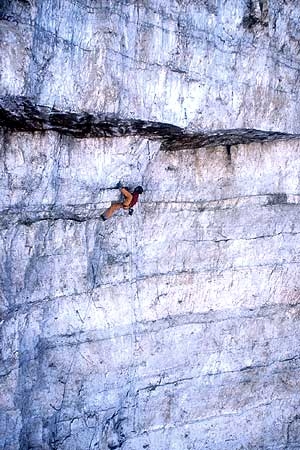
(177, 328)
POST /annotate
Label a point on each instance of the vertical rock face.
(175, 328)
(203, 64)
(178, 327)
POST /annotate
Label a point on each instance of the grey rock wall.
(176, 328)
(204, 64)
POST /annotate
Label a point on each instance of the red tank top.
(135, 197)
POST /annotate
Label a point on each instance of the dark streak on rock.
(226, 138)
(277, 199)
(228, 152)
(23, 115)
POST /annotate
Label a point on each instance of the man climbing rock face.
(128, 203)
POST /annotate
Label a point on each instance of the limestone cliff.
(176, 328)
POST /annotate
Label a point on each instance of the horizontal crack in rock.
(19, 113)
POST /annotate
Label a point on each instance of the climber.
(129, 201)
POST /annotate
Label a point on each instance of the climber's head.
(139, 189)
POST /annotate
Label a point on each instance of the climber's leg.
(111, 210)
(116, 206)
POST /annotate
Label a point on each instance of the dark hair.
(139, 189)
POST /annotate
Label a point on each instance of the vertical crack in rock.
(112, 431)
(96, 259)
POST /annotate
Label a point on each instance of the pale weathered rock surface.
(177, 328)
(203, 64)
